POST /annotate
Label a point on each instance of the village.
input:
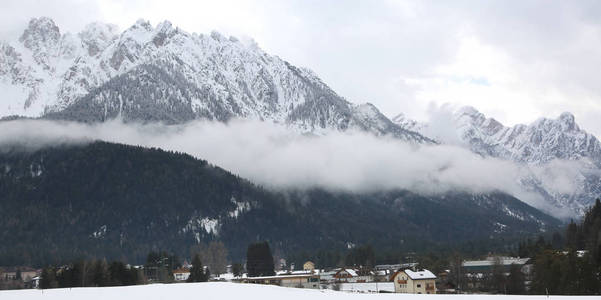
(471, 277)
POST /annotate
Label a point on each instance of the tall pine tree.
(259, 260)
(197, 272)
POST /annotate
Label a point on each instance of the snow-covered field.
(214, 290)
(367, 287)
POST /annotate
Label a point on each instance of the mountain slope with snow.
(163, 73)
(551, 150)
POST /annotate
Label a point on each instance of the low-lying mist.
(275, 157)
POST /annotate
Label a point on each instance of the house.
(327, 276)
(477, 271)
(282, 263)
(345, 275)
(181, 274)
(487, 265)
(395, 267)
(34, 283)
(25, 273)
(382, 273)
(365, 275)
(302, 279)
(309, 266)
(414, 282)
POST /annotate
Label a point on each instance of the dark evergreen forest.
(117, 202)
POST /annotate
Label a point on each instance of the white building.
(412, 282)
(181, 274)
(345, 275)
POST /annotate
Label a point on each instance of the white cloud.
(273, 156)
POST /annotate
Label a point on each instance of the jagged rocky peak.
(469, 111)
(42, 37)
(40, 33)
(96, 37)
(142, 23)
(163, 31)
(568, 121)
(469, 115)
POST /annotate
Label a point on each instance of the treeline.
(159, 267)
(91, 273)
(576, 269)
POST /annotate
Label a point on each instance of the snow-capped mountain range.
(163, 73)
(545, 147)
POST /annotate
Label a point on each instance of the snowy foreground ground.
(214, 290)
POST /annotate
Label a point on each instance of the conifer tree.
(237, 269)
(259, 261)
(197, 272)
(100, 273)
(515, 281)
(48, 280)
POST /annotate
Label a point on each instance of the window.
(419, 285)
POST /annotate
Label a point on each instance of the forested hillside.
(121, 202)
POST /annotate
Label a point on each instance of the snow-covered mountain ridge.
(540, 142)
(163, 73)
(545, 147)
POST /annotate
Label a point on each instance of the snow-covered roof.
(297, 272)
(280, 276)
(423, 274)
(490, 262)
(330, 273)
(351, 272)
(181, 271)
(227, 276)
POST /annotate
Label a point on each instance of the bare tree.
(214, 255)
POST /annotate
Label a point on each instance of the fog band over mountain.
(275, 157)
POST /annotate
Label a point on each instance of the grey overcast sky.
(515, 61)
